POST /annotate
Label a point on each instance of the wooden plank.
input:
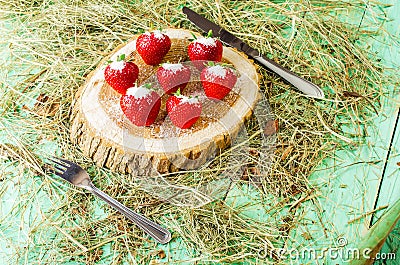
(389, 189)
(349, 182)
(388, 196)
(390, 181)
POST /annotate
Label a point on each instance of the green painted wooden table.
(357, 205)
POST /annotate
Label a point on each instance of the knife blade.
(228, 38)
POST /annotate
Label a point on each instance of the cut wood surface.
(103, 133)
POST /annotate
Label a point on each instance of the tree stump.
(100, 129)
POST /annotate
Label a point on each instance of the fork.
(76, 175)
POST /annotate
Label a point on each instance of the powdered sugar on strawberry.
(217, 70)
(153, 46)
(156, 33)
(173, 67)
(138, 92)
(190, 100)
(117, 66)
(206, 41)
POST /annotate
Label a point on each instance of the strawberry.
(153, 46)
(141, 105)
(205, 49)
(172, 77)
(217, 80)
(121, 75)
(183, 111)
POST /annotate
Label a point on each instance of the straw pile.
(55, 45)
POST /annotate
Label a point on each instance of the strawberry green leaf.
(121, 57)
(194, 36)
(210, 63)
(178, 92)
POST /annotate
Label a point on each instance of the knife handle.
(303, 85)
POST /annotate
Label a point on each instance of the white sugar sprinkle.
(190, 100)
(206, 41)
(217, 70)
(173, 67)
(157, 34)
(138, 92)
(117, 66)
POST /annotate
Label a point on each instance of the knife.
(228, 38)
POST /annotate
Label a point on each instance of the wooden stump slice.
(101, 130)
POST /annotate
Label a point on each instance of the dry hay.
(55, 45)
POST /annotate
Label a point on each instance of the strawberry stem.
(210, 33)
(194, 36)
(210, 63)
(178, 92)
(148, 86)
(167, 62)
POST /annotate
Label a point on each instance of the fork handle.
(154, 230)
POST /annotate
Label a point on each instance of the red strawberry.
(183, 111)
(153, 46)
(205, 49)
(141, 105)
(121, 75)
(173, 77)
(217, 81)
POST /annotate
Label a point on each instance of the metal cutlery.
(228, 38)
(76, 175)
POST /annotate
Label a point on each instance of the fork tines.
(67, 170)
(59, 165)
